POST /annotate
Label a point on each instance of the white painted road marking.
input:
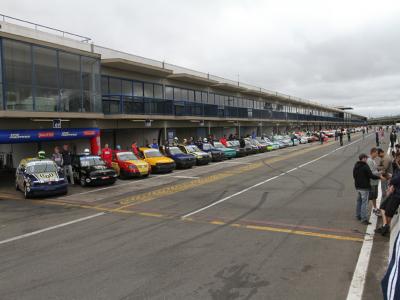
(19, 237)
(265, 181)
(186, 177)
(357, 284)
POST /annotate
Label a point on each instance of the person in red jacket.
(106, 155)
(223, 141)
(135, 149)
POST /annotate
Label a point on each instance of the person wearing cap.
(67, 163)
(362, 175)
(86, 151)
(176, 141)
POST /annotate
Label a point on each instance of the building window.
(148, 90)
(203, 97)
(18, 75)
(138, 89)
(191, 96)
(158, 91)
(70, 82)
(91, 84)
(127, 88)
(46, 79)
(169, 92)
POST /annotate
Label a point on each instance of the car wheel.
(26, 193)
(82, 181)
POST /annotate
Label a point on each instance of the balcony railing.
(148, 106)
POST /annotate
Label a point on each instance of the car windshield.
(41, 167)
(125, 156)
(193, 148)
(88, 161)
(207, 147)
(218, 145)
(175, 150)
(152, 153)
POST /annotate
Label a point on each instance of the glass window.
(91, 84)
(191, 96)
(204, 97)
(104, 85)
(198, 96)
(70, 82)
(211, 98)
(127, 88)
(18, 75)
(138, 89)
(177, 94)
(158, 91)
(184, 94)
(148, 90)
(169, 92)
(115, 86)
(217, 99)
(46, 75)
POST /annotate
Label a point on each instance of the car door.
(76, 167)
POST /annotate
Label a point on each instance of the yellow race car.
(158, 162)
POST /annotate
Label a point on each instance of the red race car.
(128, 165)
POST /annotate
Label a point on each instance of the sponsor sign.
(38, 135)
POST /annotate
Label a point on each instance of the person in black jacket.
(393, 138)
(362, 175)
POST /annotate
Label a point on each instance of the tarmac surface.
(277, 225)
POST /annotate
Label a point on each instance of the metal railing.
(44, 28)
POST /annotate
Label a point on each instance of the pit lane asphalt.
(294, 237)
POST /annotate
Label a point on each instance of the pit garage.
(18, 144)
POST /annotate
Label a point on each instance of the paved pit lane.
(278, 225)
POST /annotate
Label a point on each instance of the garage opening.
(18, 144)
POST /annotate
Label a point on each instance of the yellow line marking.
(217, 223)
(305, 233)
(146, 214)
(173, 189)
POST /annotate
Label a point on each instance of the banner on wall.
(42, 135)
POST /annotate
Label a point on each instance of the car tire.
(82, 181)
(26, 193)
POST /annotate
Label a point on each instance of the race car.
(127, 165)
(182, 160)
(158, 162)
(92, 170)
(216, 155)
(228, 152)
(202, 158)
(40, 177)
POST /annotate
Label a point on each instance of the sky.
(333, 52)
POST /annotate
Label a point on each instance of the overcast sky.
(334, 52)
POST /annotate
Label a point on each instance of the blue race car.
(40, 177)
(181, 159)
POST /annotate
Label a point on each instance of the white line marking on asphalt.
(236, 162)
(265, 181)
(357, 284)
(49, 228)
(186, 177)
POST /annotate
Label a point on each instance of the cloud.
(334, 52)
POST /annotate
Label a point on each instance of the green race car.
(229, 153)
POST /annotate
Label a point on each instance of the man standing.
(341, 133)
(154, 145)
(363, 132)
(362, 175)
(57, 157)
(373, 193)
(67, 160)
(223, 140)
(321, 137)
(336, 135)
(348, 134)
(386, 169)
(393, 138)
(135, 149)
(106, 155)
(377, 137)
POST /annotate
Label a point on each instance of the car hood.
(45, 177)
(136, 162)
(181, 156)
(155, 160)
